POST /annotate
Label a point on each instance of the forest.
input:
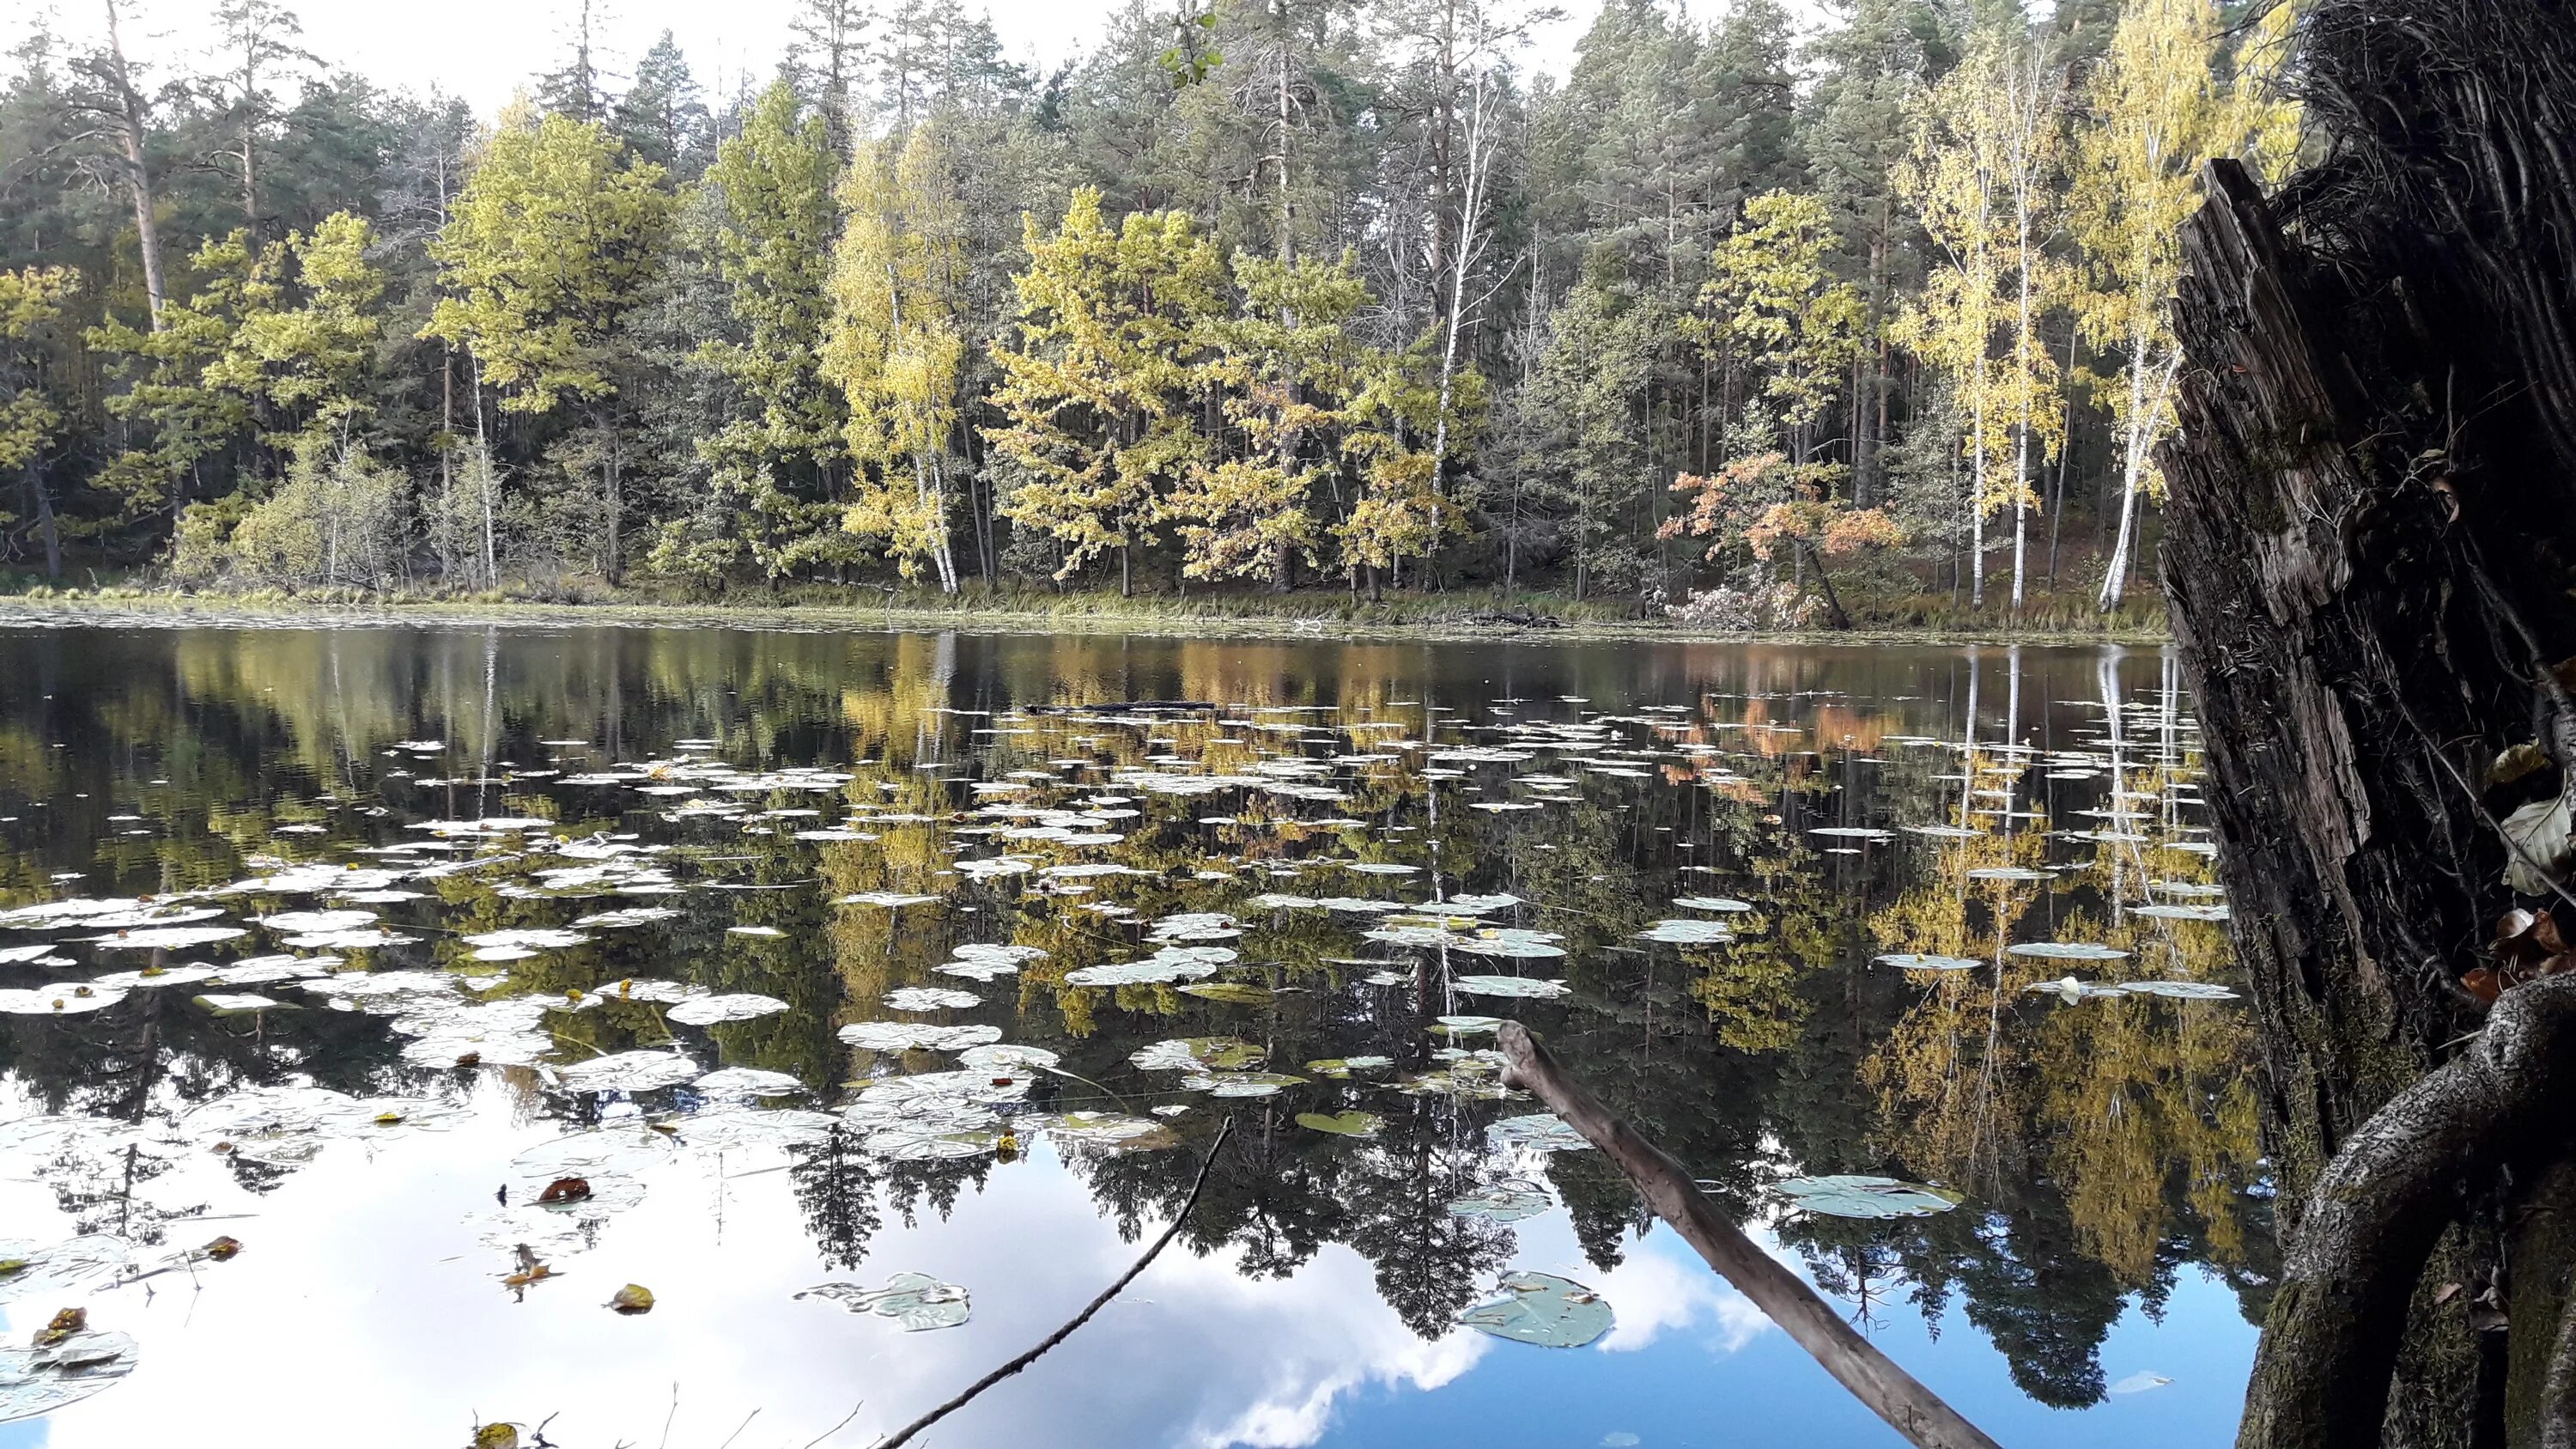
(1707, 316)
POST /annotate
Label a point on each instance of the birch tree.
(1954, 180)
(2159, 110)
(895, 348)
(2031, 127)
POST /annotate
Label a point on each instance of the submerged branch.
(1889, 1391)
(905, 1434)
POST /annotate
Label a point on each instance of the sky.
(484, 50)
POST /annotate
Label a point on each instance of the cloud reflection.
(363, 1302)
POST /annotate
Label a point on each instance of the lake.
(381, 1002)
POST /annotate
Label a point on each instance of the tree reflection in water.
(2104, 1145)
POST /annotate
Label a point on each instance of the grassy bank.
(2065, 618)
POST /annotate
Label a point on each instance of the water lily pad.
(1679, 932)
(303, 922)
(733, 1006)
(1532, 987)
(1343, 1124)
(1911, 961)
(63, 999)
(747, 1082)
(1512, 942)
(2179, 990)
(2012, 873)
(1848, 1196)
(229, 1003)
(29, 1269)
(2068, 951)
(916, 1300)
(1726, 904)
(1197, 1053)
(904, 1036)
(38, 1380)
(632, 1071)
(1542, 1309)
(929, 998)
(1108, 1131)
(1238, 993)
(2070, 989)
(2163, 912)
(170, 938)
(1538, 1131)
(1342, 1067)
(1239, 1084)
(1502, 1202)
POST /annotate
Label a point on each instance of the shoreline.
(164, 610)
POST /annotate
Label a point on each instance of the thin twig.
(837, 1428)
(1179, 1219)
(738, 1428)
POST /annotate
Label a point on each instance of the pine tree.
(1775, 307)
(1094, 396)
(32, 301)
(307, 330)
(257, 39)
(578, 91)
(827, 59)
(772, 246)
(548, 248)
(662, 117)
(184, 413)
(1290, 368)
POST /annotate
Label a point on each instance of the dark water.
(1299, 858)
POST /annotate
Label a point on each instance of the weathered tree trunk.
(2367, 559)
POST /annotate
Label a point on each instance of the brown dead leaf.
(2516, 763)
(633, 1298)
(66, 1323)
(2446, 1293)
(222, 1250)
(2484, 984)
(566, 1189)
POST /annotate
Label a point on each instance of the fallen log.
(1873, 1378)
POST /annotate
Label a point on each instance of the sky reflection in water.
(2115, 1230)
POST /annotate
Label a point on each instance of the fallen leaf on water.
(496, 1436)
(633, 1298)
(566, 1189)
(65, 1323)
(222, 1250)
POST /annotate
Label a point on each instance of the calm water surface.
(823, 958)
